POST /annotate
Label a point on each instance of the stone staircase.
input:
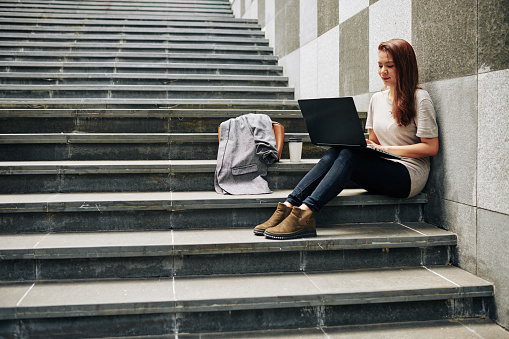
(109, 226)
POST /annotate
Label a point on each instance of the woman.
(401, 120)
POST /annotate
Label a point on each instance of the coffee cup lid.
(295, 140)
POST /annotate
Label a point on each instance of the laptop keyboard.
(382, 151)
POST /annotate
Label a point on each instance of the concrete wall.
(329, 48)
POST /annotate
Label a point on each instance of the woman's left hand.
(427, 147)
(374, 144)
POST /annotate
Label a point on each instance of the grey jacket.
(246, 146)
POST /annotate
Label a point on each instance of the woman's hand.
(374, 144)
(428, 147)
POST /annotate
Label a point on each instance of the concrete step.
(128, 103)
(150, 79)
(142, 211)
(123, 146)
(200, 31)
(132, 67)
(85, 27)
(481, 328)
(74, 22)
(117, 5)
(121, 46)
(174, 120)
(80, 91)
(154, 12)
(122, 6)
(244, 302)
(130, 176)
(175, 253)
(139, 57)
(8, 38)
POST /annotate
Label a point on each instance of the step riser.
(55, 79)
(134, 57)
(29, 22)
(146, 104)
(202, 33)
(279, 318)
(162, 14)
(133, 151)
(69, 40)
(90, 124)
(162, 94)
(236, 263)
(153, 69)
(140, 182)
(118, 20)
(93, 219)
(124, 48)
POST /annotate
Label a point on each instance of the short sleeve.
(369, 119)
(426, 117)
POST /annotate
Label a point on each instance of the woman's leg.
(305, 187)
(312, 179)
(381, 176)
(327, 180)
(373, 173)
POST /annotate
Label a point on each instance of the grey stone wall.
(329, 48)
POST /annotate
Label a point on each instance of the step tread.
(161, 103)
(140, 56)
(134, 166)
(127, 18)
(78, 36)
(149, 113)
(205, 31)
(118, 137)
(146, 88)
(168, 201)
(137, 45)
(120, 64)
(205, 77)
(219, 241)
(239, 292)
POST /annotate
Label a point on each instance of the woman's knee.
(330, 155)
(346, 154)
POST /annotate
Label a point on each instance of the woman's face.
(387, 69)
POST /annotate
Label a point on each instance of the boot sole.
(259, 232)
(302, 234)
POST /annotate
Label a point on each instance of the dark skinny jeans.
(337, 166)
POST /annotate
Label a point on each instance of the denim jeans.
(337, 166)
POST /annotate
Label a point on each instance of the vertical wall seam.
(476, 208)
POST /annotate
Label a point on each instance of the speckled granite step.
(134, 67)
(131, 211)
(289, 300)
(123, 35)
(123, 146)
(144, 103)
(130, 175)
(106, 255)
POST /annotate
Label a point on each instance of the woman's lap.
(328, 178)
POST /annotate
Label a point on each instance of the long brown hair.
(407, 79)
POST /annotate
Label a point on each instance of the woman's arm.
(428, 147)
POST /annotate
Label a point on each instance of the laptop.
(335, 122)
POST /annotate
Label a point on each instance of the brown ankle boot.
(281, 213)
(299, 224)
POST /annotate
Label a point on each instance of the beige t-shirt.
(381, 121)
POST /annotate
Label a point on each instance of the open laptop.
(335, 122)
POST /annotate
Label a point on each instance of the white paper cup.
(295, 146)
